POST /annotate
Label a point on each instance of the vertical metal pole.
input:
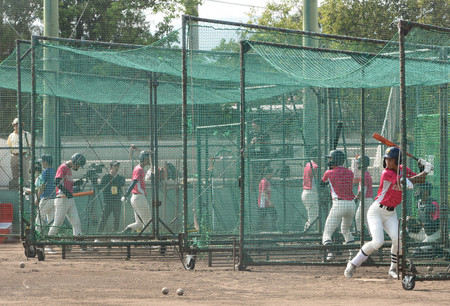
(34, 41)
(283, 173)
(443, 149)
(184, 126)
(363, 167)
(51, 29)
(156, 153)
(243, 50)
(152, 151)
(19, 105)
(402, 29)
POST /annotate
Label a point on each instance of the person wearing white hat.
(13, 143)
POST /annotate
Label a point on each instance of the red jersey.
(139, 175)
(65, 174)
(308, 176)
(367, 185)
(264, 193)
(390, 191)
(341, 183)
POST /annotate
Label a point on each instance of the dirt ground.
(95, 280)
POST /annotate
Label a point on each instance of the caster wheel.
(30, 251)
(189, 262)
(162, 250)
(409, 282)
(40, 254)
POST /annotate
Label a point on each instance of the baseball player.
(343, 207)
(426, 228)
(382, 215)
(142, 214)
(310, 196)
(46, 193)
(64, 202)
(367, 194)
(265, 206)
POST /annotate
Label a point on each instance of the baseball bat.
(337, 134)
(389, 143)
(80, 194)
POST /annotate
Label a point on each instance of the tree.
(360, 18)
(287, 14)
(121, 21)
(378, 18)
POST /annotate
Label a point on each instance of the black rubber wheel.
(189, 262)
(40, 254)
(409, 282)
(30, 251)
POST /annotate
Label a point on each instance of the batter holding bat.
(138, 200)
(382, 215)
(64, 202)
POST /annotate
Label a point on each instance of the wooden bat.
(337, 134)
(389, 143)
(80, 194)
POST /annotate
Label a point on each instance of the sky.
(229, 10)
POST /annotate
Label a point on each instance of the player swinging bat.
(381, 214)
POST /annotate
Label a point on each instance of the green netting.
(304, 91)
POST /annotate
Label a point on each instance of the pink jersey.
(264, 194)
(139, 175)
(341, 183)
(391, 194)
(65, 174)
(367, 185)
(308, 176)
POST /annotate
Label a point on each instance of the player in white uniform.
(382, 215)
(142, 214)
(367, 195)
(343, 208)
(310, 196)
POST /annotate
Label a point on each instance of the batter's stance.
(382, 215)
(138, 200)
(64, 202)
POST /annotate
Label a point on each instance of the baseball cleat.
(350, 270)
(330, 256)
(393, 273)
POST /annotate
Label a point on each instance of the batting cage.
(257, 145)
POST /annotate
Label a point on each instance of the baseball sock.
(359, 258)
(393, 262)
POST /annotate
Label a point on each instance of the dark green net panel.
(303, 91)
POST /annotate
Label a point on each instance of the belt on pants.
(19, 154)
(388, 208)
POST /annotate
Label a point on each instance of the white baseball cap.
(15, 121)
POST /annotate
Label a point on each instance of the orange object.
(81, 194)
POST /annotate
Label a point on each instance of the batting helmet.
(365, 164)
(336, 158)
(144, 155)
(393, 152)
(78, 160)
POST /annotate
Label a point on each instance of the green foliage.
(359, 18)
(287, 14)
(117, 21)
(378, 18)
